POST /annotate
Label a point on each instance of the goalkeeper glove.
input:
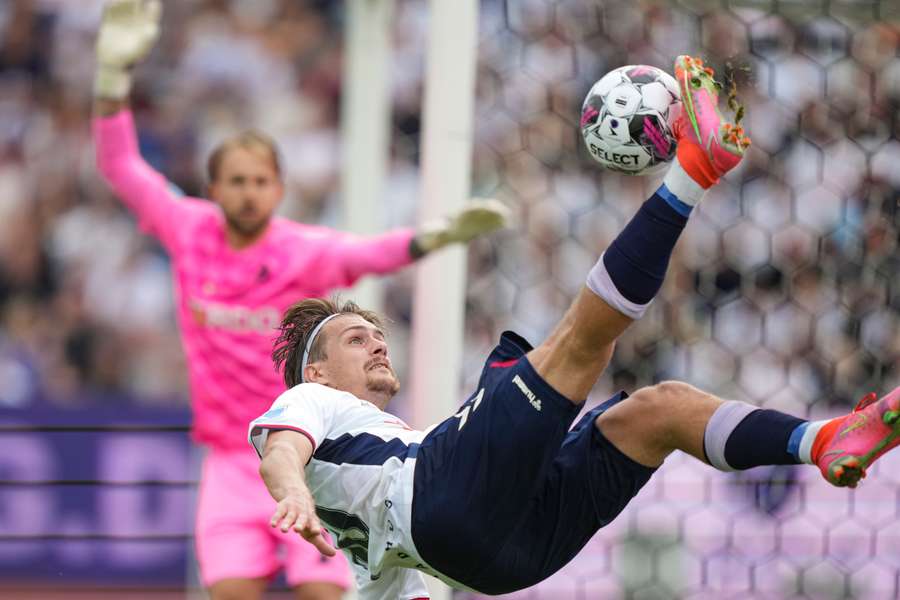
(128, 29)
(480, 216)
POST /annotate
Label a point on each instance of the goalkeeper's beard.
(247, 227)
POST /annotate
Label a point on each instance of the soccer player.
(502, 494)
(237, 268)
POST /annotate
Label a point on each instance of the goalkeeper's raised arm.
(128, 29)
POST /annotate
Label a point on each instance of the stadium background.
(783, 291)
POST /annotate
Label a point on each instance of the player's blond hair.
(298, 324)
(254, 141)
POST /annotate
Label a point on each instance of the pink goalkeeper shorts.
(233, 536)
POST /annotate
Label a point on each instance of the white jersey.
(361, 476)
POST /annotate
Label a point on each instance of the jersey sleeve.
(343, 257)
(147, 193)
(297, 409)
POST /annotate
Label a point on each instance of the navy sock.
(638, 258)
(762, 438)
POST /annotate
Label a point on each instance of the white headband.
(311, 340)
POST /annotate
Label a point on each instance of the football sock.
(741, 436)
(803, 445)
(691, 174)
(631, 271)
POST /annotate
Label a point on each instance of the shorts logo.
(532, 399)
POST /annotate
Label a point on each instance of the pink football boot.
(846, 446)
(709, 145)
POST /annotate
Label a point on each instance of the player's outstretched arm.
(128, 29)
(479, 217)
(284, 457)
(345, 258)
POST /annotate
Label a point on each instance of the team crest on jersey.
(273, 413)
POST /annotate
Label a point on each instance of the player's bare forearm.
(285, 455)
(282, 464)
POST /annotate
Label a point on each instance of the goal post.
(365, 127)
(438, 307)
(439, 298)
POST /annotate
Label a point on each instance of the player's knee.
(667, 394)
(237, 590)
(661, 396)
(649, 410)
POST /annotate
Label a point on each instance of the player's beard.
(381, 383)
(247, 226)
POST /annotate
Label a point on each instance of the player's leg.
(312, 575)
(236, 552)
(588, 484)
(252, 589)
(477, 470)
(656, 420)
(614, 450)
(609, 456)
(596, 472)
(238, 589)
(732, 435)
(318, 590)
(628, 275)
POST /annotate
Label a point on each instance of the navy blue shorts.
(505, 494)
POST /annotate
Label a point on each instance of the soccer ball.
(626, 119)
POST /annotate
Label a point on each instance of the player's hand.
(128, 29)
(298, 512)
(478, 217)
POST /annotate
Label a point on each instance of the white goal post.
(438, 306)
(365, 127)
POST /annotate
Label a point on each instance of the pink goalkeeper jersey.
(230, 301)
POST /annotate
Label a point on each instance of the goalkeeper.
(503, 494)
(236, 269)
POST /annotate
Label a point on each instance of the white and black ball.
(626, 119)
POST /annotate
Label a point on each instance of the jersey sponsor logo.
(532, 399)
(264, 319)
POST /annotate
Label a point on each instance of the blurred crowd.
(783, 291)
